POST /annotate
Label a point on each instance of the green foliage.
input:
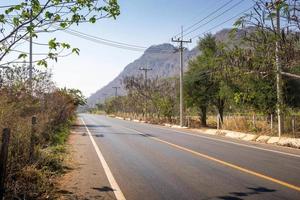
(36, 16)
(206, 81)
(256, 94)
(51, 159)
(257, 88)
(76, 96)
(61, 134)
(157, 98)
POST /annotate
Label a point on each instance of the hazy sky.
(142, 22)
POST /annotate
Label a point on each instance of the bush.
(31, 177)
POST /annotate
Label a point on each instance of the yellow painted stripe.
(288, 185)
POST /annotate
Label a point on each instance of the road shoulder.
(87, 179)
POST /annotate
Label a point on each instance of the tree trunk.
(220, 107)
(203, 117)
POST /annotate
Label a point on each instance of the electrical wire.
(106, 40)
(92, 39)
(235, 5)
(207, 31)
(210, 14)
(115, 44)
(7, 6)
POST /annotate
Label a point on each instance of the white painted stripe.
(113, 183)
(226, 141)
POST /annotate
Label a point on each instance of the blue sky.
(142, 22)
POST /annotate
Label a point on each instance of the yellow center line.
(288, 185)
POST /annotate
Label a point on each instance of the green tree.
(198, 87)
(29, 18)
(257, 89)
(207, 80)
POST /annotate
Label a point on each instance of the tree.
(198, 87)
(30, 18)
(157, 98)
(258, 89)
(207, 80)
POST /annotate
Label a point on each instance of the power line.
(115, 44)
(103, 41)
(106, 40)
(92, 39)
(210, 14)
(207, 31)
(214, 18)
(7, 6)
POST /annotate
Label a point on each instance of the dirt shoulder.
(87, 179)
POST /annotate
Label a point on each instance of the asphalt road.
(145, 161)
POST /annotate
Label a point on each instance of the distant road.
(148, 162)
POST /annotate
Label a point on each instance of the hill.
(164, 61)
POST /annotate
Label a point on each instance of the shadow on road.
(104, 189)
(99, 133)
(240, 195)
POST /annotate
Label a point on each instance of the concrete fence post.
(293, 125)
(271, 123)
(218, 121)
(254, 120)
(3, 160)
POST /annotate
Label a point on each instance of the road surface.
(149, 162)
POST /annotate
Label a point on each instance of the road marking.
(229, 142)
(235, 143)
(288, 185)
(117, 191)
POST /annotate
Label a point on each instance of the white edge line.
(225, 141)
(230, 142)
(116, 189)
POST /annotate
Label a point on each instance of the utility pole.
(116, 90)
(181, 41)
(279, 76)
(30, 52)
(145, 74)
(275, 5)
(146, 79)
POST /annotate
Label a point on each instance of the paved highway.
(148, 162)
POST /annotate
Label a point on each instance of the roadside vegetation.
(232, 82)
(37, 114)
(36, 151)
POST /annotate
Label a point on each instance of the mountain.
(164, 61)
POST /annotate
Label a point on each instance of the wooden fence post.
(32, 138)
(3, 160)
